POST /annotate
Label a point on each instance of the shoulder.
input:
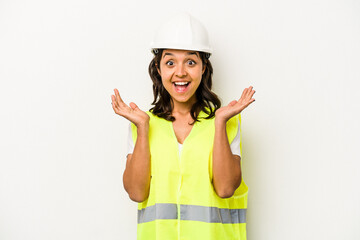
(205, 113)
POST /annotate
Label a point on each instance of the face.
(181, 72)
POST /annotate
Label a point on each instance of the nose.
(180, 70)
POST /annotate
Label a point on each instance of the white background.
(63, 148)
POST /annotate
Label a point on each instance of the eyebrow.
(190, 53)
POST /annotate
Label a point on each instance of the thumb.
(133, 106)
(232, 103)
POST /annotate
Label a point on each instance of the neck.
(183, 107)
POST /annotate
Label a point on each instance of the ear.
(204, 68)
(157, 68)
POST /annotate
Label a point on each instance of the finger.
(251, 92)
(250, 101)
(232, 103)
(247, 104)
(133, 106)
(115, 105)
(114, 102)
(243, 94)
(118, 98)
(120, 110)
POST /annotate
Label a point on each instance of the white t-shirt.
(234, 145)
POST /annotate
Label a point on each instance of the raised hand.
(235, 107)
(132, 113)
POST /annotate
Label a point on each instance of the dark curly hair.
(207, 101)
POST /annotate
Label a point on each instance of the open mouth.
(181, 86)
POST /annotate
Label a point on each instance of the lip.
(181, 90)
(180, 81)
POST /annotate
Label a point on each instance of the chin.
(182, 100)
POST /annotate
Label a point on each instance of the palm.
(236, 107)
(131, 112)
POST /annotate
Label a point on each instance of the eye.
(191, 62)
(169, 63)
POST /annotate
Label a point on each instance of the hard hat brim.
(177, 47)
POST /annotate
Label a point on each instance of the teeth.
(181, 83)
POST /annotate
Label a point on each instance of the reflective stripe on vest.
(192, 213)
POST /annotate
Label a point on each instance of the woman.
(183, 170)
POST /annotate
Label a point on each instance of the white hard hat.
(182, 32)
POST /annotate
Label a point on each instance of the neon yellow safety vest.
(182, 203)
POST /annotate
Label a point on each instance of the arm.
(136, 177)
(226, 166)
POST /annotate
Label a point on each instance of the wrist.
(143, 127)
(220, 121)
(220, 124)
